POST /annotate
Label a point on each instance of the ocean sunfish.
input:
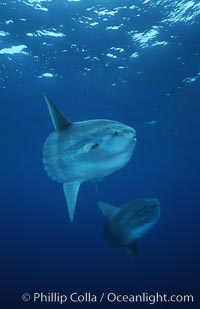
(125, 225)
(80, 151)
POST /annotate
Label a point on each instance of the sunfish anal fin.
(71, 192)
(59, 121)
(107, 209)
(133, 249)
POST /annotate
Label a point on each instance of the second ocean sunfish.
(125, 225)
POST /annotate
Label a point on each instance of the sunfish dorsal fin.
(59, 121)
(71, 192)
(107, 209)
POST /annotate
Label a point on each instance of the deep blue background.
(41, 250)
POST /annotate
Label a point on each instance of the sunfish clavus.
(80, 151)
(125, 225)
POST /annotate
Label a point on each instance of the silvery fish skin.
(125, 225)
(80, 151)
(88, 150)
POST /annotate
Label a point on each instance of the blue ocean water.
(137, 62)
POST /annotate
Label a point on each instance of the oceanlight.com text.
(111, 297)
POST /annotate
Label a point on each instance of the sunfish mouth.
(130, 133)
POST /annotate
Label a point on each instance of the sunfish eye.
(116, 133)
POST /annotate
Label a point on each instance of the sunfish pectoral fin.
(59, 121)
(71, 192)
(133, 249)
(90, 146)
(107, 209)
